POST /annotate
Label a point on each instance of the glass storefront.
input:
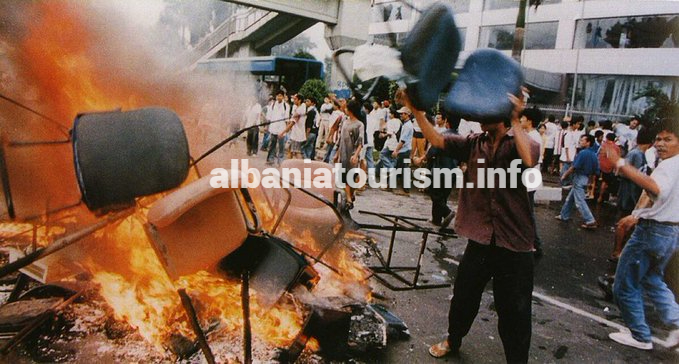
(658, 31)
(537, 36)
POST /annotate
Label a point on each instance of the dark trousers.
(512, 275)
(405, 169)
(531, 200)
(439, 203)
(309, 146)
(547, 159)
(252, 140)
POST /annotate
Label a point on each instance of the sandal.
(440, 350)
(590, 226)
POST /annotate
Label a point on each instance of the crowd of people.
(636, 168)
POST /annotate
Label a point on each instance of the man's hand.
(394, 154)
(281, 134)
(354, 160)
(610, 153)
(519, 105)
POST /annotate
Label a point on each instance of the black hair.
(313, 100)
(669, 125)
(280, 92)
(368, 106)
(534, 115)
(589, 138)
(598, 133)
(579, 119)
(551, 118)
(354, 107)
(591, 123)
(564, 124)
(646, 136)
(610, 136)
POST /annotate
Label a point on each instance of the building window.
(537, 36)
(540, 35)
(657, 31)
(506, 4)
(498, 36)
(390, 11)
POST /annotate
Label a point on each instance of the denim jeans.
(309, 147)
(265, 141)
(569, 180)
(369, 157)
(512, 275)
(576, 197)
(276, 149)
(640, 270)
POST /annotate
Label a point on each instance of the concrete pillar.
(351, 31)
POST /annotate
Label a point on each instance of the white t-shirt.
(392, 128)
(570, 145)
(298, 131)
(372, 124)
(551, 129)
(468, 127)
(535, 135)
(277, 112)
(665, 206)
(252, 115)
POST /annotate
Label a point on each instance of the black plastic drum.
(122, 155)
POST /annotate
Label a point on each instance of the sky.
(316, 34)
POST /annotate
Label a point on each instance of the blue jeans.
(569, 180)
(309, 147)
(276, 149)
(576, 197)
(369, 157)
(640, 269)
(265, 141)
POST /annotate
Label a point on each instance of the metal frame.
(406, 224)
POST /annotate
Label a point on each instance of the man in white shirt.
(296, 126)
(570, 146)
(278, 114)
(252, 117)
(640, 270)
(627, 135)
(551, 129)
(324, 125)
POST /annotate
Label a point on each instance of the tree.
(314, 88)
(303, 54)
(660, 106)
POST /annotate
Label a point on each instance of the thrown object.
(429, 54)
(480, 92)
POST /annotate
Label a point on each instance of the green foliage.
(660, 106)
(303, 54)
(314, 88)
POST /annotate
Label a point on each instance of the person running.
(277, 115)
(296, 126)
(641, 267)
(584, 165)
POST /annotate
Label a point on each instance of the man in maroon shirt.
(500, 230)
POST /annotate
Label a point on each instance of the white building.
(610, 49)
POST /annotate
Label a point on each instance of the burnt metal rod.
(61, 243)
(12, 101)
(247, 331)
(38, 142)
(38, 321)
(195, 325)
(4, 175)
(232, 137)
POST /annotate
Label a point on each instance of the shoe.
(558, 217)
(590, 226)
(446, 220)
(441, 349)
(402, 193)
(431, 221)
(625, 338)
(673, 338)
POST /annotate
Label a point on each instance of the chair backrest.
(196, 226)
(301, 199)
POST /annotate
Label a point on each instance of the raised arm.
(523, 141)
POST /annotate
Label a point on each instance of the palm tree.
(521, 28)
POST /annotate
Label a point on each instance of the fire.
(26, 232)
(141, 293)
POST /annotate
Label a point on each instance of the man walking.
(585, 164)
(278, 114)
(655, 238)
